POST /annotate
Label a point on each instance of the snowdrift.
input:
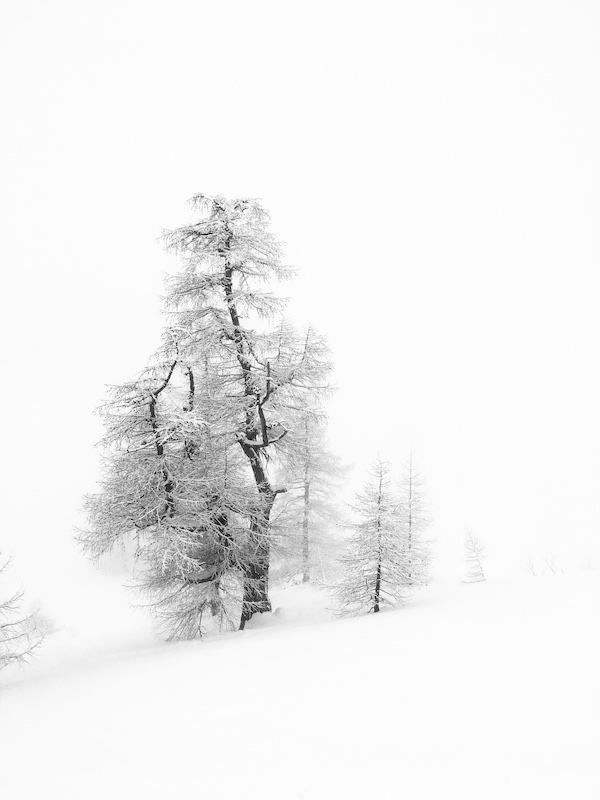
(471, 691)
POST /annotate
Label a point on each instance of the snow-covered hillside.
(472, 692)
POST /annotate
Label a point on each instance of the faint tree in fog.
(415, 522)
(310, 510)
(541, 566)
(531, 567)
(474, 554)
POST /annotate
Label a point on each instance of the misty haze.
(301, 437)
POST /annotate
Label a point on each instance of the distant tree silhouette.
(474, 554)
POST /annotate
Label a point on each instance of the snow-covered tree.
(474, 555)
(171, 483)
(18, 635)
(415, 521)
(376, 570)
(310, 509)
(189, 442)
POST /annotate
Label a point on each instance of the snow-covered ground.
(479, 691)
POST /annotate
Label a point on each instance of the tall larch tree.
(203, 423)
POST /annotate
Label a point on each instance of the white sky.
(434, 168)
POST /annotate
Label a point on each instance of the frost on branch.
(18, 635)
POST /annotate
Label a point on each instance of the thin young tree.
(203, 423)
(416, 521)
(18, 635)
(474, 555)
(266, 373)
(376, 570)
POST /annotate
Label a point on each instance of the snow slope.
(480, 691)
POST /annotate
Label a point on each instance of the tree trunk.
(305, 532)
(377, 589)
(256, 574)
(410, 520)
(379, 546)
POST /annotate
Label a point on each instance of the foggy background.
(434, 170)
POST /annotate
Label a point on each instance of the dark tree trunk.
(168, 484)
(377, 595)
(256, 573)
(377, 589)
